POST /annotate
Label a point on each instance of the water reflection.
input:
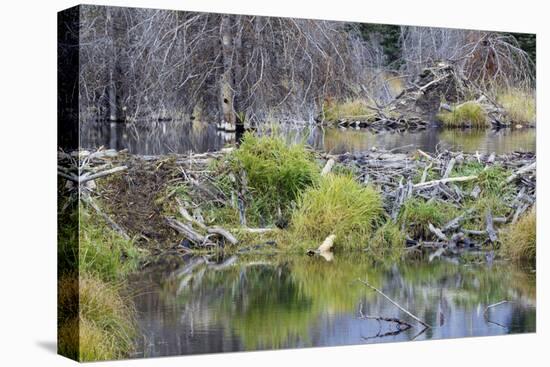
(287, 302)
(181, 137)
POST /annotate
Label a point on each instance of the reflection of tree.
(283, 302)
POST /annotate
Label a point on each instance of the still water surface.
(297, 301)
(181, 137)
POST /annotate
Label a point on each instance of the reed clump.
(520, 106)
(338, 205)
(275, 173)
(388, 242)
(95, 320)
(520, 239)
(334, 111)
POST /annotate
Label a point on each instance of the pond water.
(157, 138)
(250, 303)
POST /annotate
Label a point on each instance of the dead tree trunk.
(226, 80)
(113, 98)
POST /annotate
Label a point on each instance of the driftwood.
(444, 180)
(402, 325)
(455, 223)
(85, 178)
(325, 249)
(522, 171)
(437, 232)
(490, 229)
(449, 168)
(224, 233)
(185, 214)
(189, 233)
(107, 219)
(255, 230)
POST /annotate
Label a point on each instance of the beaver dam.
(275, 245)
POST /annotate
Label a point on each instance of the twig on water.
(494, 305)
(486, 314)
(394, 303)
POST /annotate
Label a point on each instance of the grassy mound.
(519, 105)
(469, 114)
(101, 327)
(338, 205)
(520, 240)
(276, 173)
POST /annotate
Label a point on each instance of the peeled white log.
(327, 244)
(328, 167)
(444, 180)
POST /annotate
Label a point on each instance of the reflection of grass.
(469, 140)
(277, 305)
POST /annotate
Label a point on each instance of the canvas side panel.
(68, 25)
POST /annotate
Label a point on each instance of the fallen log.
(521, 171)
(444, 180)
(224, 233)
(83, 179)
(449, 168)
(437, 232)
(455, 223)
(189, 233)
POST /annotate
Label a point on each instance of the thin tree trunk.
(226, 80)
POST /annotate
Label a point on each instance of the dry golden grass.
(338, 205)
(95, 322)
(519, 105)
(335, 111)
(469, 114)
(520, 240)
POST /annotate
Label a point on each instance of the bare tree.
(143, 63)
(481, 56)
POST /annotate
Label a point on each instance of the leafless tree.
(143, 63)
(483, 57)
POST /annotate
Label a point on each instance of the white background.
(28, 176)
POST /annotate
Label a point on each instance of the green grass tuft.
(276, 173)
(417, 213)
(388, 242)
(102, 251)
(338, 205)
(469, 114)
